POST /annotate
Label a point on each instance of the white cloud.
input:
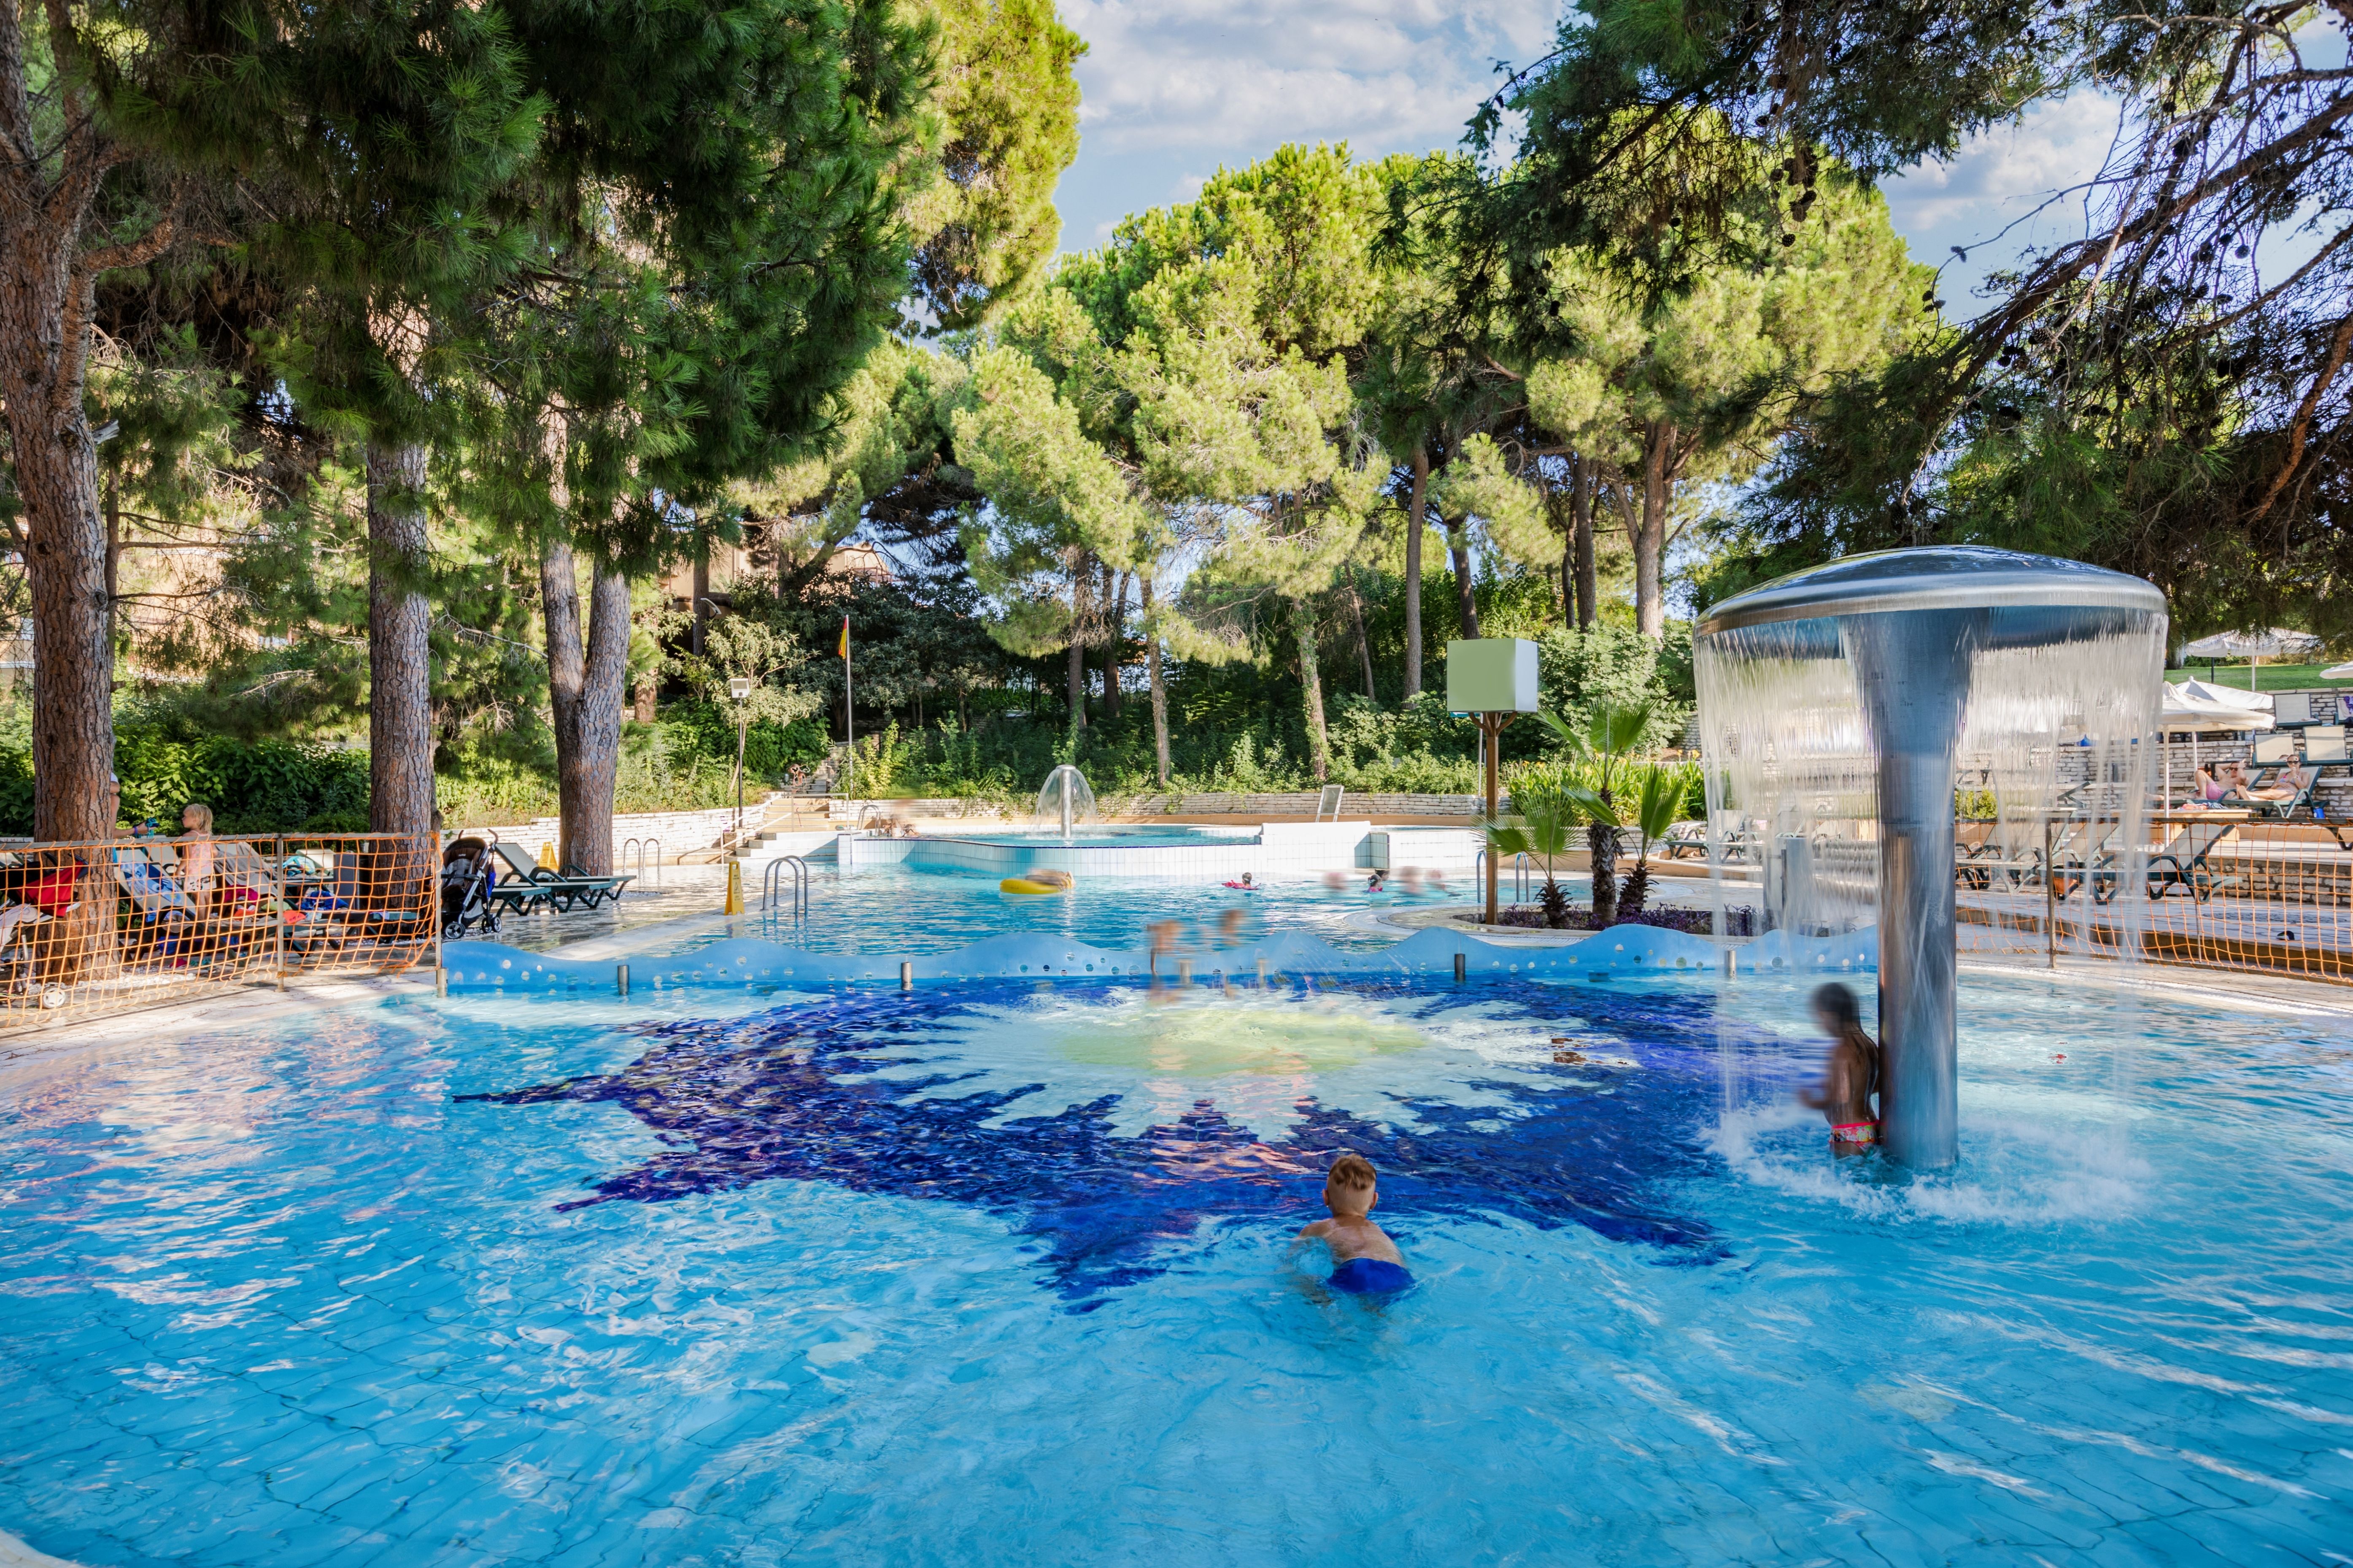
(2006, 189)
(1238, 80)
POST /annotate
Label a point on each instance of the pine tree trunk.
(702, 606)
(1413, 527)
(1114, 617)
(1159, 688)
(1650, 538)
(1364, 643)
(1078, 671)
(55, 478)
(1310, 680)
(1458, 548)
(584, 685)
(1582, 481)
(400, 676)
(645, 693)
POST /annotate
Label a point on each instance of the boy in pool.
(1849, 1077)
(1366, 1261)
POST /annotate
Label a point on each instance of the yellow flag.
(845, 638)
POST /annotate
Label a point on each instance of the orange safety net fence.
(2229, 888)
(91, 929)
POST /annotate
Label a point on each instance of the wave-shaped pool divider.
(1629, 951)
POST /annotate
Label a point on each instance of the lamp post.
(739, 689)
(1490, 679)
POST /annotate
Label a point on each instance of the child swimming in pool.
(1365, 1262)
(1849, 1077)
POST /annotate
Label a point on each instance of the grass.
(2273, 677)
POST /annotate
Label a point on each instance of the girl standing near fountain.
(1849, 1077)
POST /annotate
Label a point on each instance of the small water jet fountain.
(1837, 706)
(1065, 797)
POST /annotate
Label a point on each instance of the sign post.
(1492, 681)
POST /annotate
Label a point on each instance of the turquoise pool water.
(901, 909)
(1001, 1274)
(1101, 835)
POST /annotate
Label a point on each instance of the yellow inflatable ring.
(1023, 885)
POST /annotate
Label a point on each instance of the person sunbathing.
(2290, 782)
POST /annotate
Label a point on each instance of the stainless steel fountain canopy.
(1945, 578)
(1910, 625)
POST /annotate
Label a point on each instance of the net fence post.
(278, 861)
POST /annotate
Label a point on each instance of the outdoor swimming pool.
(900, 909)
(997, 1273)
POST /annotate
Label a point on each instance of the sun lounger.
(1994, 861)
(553, 888)
(369, 902)
(2183, 862)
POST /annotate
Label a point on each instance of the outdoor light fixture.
(739, 687)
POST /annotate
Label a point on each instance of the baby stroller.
(468, 875)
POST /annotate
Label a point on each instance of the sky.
(1171, 89)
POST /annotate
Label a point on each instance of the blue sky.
(1173, 89)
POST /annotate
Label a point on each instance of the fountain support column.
(1912, 672)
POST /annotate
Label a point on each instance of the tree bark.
(1078, 671)
(1159, 687)
(700, 589)
(1582, 479)
(585, 684)
(400, 676)
(1364, 643)
(1601, 848)
(645, 693)
(1114, 628)
(1458, 549)
(1651, 537)
(1310, 680)
(43, 358)
(1413, 527)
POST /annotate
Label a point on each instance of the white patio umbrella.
(2279, 642)
(2194, 706)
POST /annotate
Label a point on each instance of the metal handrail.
(1519, 873)
(641, 845)
(770, 876)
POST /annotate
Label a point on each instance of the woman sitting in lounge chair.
(2210, 788)
(2291, 783)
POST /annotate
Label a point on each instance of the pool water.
(1003, 1274)
(1101, 835)
(898, 909)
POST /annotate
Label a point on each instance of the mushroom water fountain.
(1846, 708)
(1065, 798)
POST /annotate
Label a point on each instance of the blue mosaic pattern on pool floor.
(793, 1095)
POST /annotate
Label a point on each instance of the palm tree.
(1660, 802)
(1546, 819)
(1608, 740)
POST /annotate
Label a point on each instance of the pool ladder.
(771, 893)
(1519, 875)
(639, 847)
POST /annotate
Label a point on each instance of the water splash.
(1066, 799)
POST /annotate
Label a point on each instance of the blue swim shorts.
(1370, 1277)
